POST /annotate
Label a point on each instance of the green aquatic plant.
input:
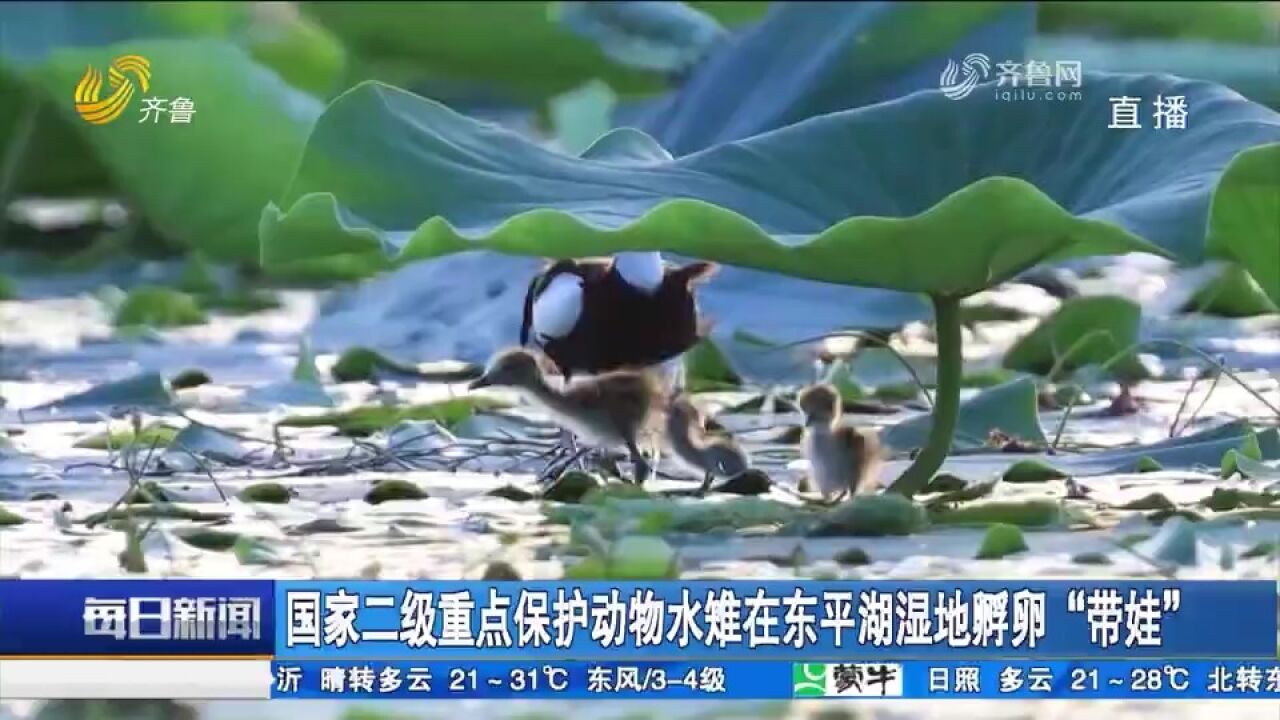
(1242, 218)
(158, 307)
(362, 421)
(1083, 331)
(1001, 540)
(389, 489)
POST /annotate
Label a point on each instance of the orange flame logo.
(89, 89)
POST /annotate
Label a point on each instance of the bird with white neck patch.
(842, 460)
(602, 314)
(619, 409)
(697, 450)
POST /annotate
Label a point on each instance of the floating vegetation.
(1024, 513)
(158, 307)
(394, 489)
(364, 421)
(266, 492)
(1001, 540)
(1032, 471)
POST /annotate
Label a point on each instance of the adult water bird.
(602, 314)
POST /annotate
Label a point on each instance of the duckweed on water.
(512, 493)
(872, 516)
(1091, 558)
(1001, 540)
(266, 492)
(1032, 471)
(854, 556)
(394, 489)
(896, 392)
(1151, 501)
(1025, 513)
(1147, 464)
(207, 539)
(155, 306)
(1224, 499)
(362, 364)
(364, 421)
(572, 487)
(500, 570)
(189, 379)
(633, 557)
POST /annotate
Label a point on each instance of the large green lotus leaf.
(1248, 69)
(57, 159)
(305, 54)
(1242, 22)
(662, 36)
(511, 50)
(842, 198)
(804, 59)
(1244, 219)
(28, 32)
(201, 184)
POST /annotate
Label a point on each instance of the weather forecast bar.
(768, 680)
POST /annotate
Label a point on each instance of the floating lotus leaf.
(805, 59)
(386, 172)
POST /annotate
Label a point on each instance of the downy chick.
(698, 451)
(842, 460)
(612, 410)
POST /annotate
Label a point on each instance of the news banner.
(692, 640)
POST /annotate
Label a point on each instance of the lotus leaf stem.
(946, 408)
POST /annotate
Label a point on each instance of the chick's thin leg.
(642, 468)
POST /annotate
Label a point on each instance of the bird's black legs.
(706, 484)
